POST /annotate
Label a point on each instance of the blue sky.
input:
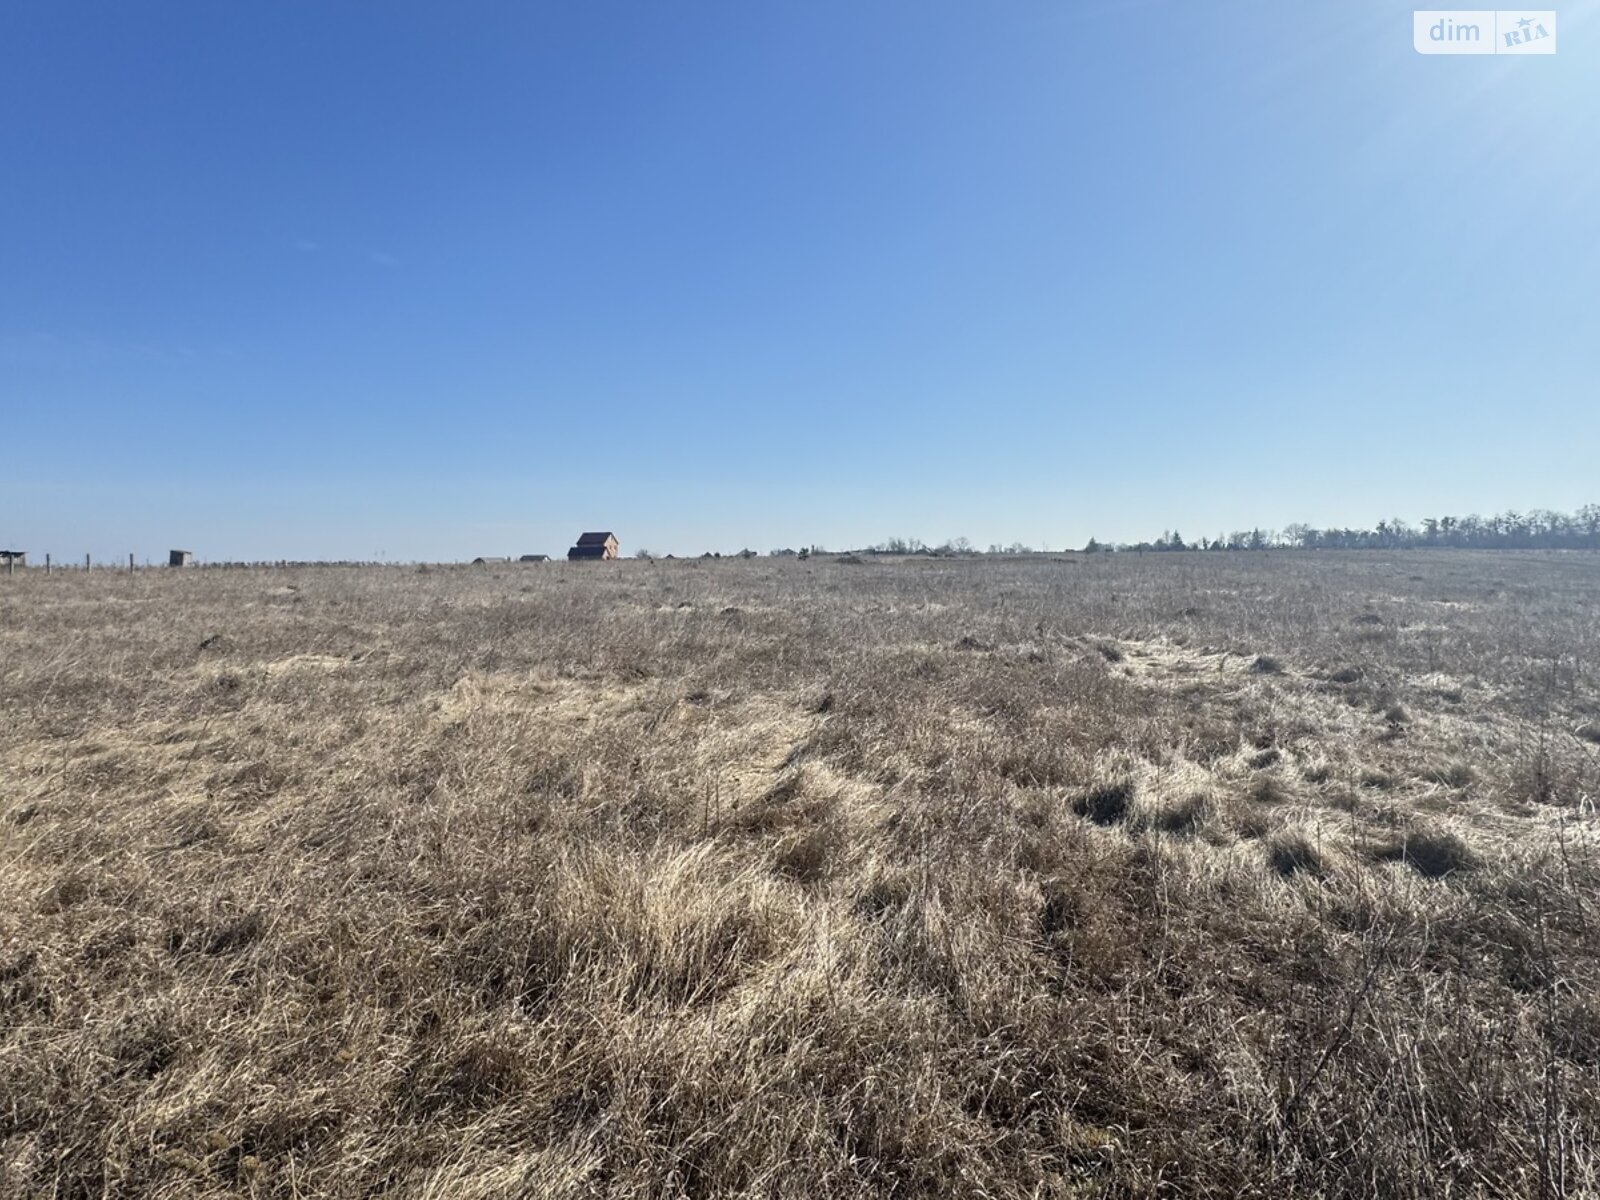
(432, 281)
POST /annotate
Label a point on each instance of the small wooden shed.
(594, 545)
(534, 558)
(179, 558)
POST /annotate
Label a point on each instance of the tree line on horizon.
(1538, 529)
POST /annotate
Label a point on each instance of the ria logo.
(1527, 32)
(1483, 31)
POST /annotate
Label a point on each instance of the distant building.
(594, 545)
(179, 558)
(534, 558)
(485, 561)
(13, 558)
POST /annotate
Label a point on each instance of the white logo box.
(1484, 31)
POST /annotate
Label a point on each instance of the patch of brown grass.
(800, 879)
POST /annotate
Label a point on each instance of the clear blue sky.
(334, 279)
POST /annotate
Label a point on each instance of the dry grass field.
(1221, 875)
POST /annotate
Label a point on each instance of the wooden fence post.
(47, 564)
(85, 562)
(130, 564)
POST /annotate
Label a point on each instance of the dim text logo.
(1483, 31)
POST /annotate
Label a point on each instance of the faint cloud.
(382, 259)
(306, 245)
(40, 348)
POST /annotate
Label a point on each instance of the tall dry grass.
(1192, 875)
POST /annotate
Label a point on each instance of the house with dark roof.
(594, 545)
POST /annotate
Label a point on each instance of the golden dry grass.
(1190, 875)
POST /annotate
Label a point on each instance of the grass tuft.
(1433, 854)
(1106, 805)
(1292, 854)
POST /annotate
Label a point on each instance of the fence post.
(85, 562)
(130, 564)
(47, 564)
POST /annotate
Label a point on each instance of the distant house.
(179, 558)
(534, 558)
(485, 561)
(13, 558)
(594, 545)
